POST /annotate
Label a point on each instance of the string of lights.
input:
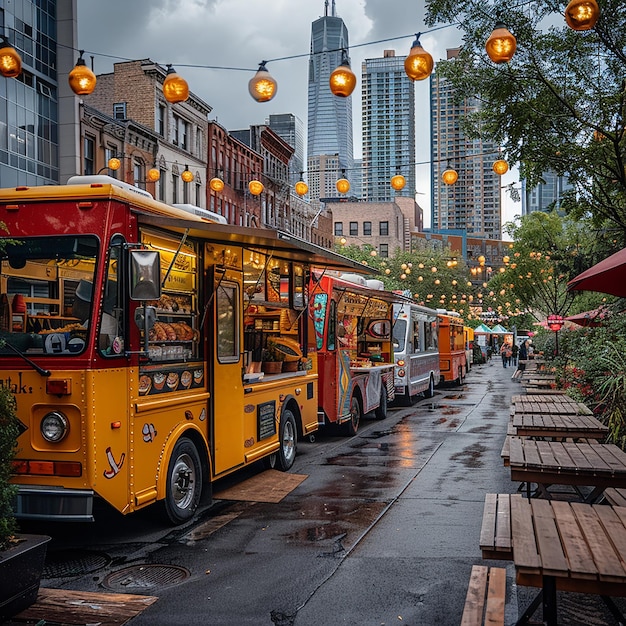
(580, 15)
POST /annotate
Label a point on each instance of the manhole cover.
(62, 563)
(145, 577)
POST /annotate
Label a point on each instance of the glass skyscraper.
(38, 103)
(329, 117)
(545, 196)
(290, 128)
(388, 124)
(473, 203)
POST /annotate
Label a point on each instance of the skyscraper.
(545, 196)
(290, 128)
(473, 203)
(39, 130)
(388, 124)
(329, 117)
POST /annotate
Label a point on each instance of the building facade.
(134, 91)
(388, 124)
(329, 125)
(547, 195)
(382, 225)
(290, 128)
(39, 127)
(473, 203)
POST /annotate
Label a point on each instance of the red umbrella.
(588, 318)
(608, 276)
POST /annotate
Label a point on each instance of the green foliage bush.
(591, 367)
(9, 432)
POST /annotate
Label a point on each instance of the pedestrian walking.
(505, 353)
(523, 355)
(515, 351)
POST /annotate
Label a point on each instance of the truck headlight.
(54, 426)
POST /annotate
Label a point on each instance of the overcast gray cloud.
(241, 33)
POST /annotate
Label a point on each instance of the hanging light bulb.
(10, 60)
(343, 185)
(175, 87)
(262, 86)
(216, 184)
(501, 44)
(302, 188)
(450, 176)
(342, 80)
(419, 64)
(500, 167)
(114, 164)
(255, 187)
(398, 182)
(582, 14)
(186, 175)
(153, 174)
(82, 80)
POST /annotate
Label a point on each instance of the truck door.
(224, 330)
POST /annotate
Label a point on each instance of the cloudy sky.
(200, 37)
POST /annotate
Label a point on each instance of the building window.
(367, 228)
(383, 250)
(199, 195)
(354, 229)
(109, 153)
(139, 174)
(338, 229)
(161, 120)
(162, 188)
(174, 187)
(181, 133)
(384, 228)
(119, 110)
(89, 148)
(186, 192)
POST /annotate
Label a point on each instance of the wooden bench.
(615, 496)
(506, 447)
(486, 595)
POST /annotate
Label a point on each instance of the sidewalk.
(418, 557)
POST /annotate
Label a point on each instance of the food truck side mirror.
(145, 317)
(145, 275)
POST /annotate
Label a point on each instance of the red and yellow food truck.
(133, 336)
(352, 320)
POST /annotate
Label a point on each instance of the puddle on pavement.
(480, 429)
(471, 456)
(346, 521)
(444, 409)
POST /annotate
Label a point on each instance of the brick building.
(382, 225)
(133, 91)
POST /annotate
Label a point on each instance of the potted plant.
(21, 556)
(272, 360)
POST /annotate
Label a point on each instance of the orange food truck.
(352, 320)
(134, 335)
(452, 356)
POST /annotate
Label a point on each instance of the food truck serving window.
(46, 294)
(227, 322)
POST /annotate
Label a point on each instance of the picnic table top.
(543, 404)
(563, 463)
(558, 397)
(583, 546)
(561, 425)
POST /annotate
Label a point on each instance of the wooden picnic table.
(558, 426)
(546, 463)
(561, 396)
(552, 403)
(556, 545)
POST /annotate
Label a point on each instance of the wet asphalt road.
(384, 530)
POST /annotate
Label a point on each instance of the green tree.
(559, 104)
